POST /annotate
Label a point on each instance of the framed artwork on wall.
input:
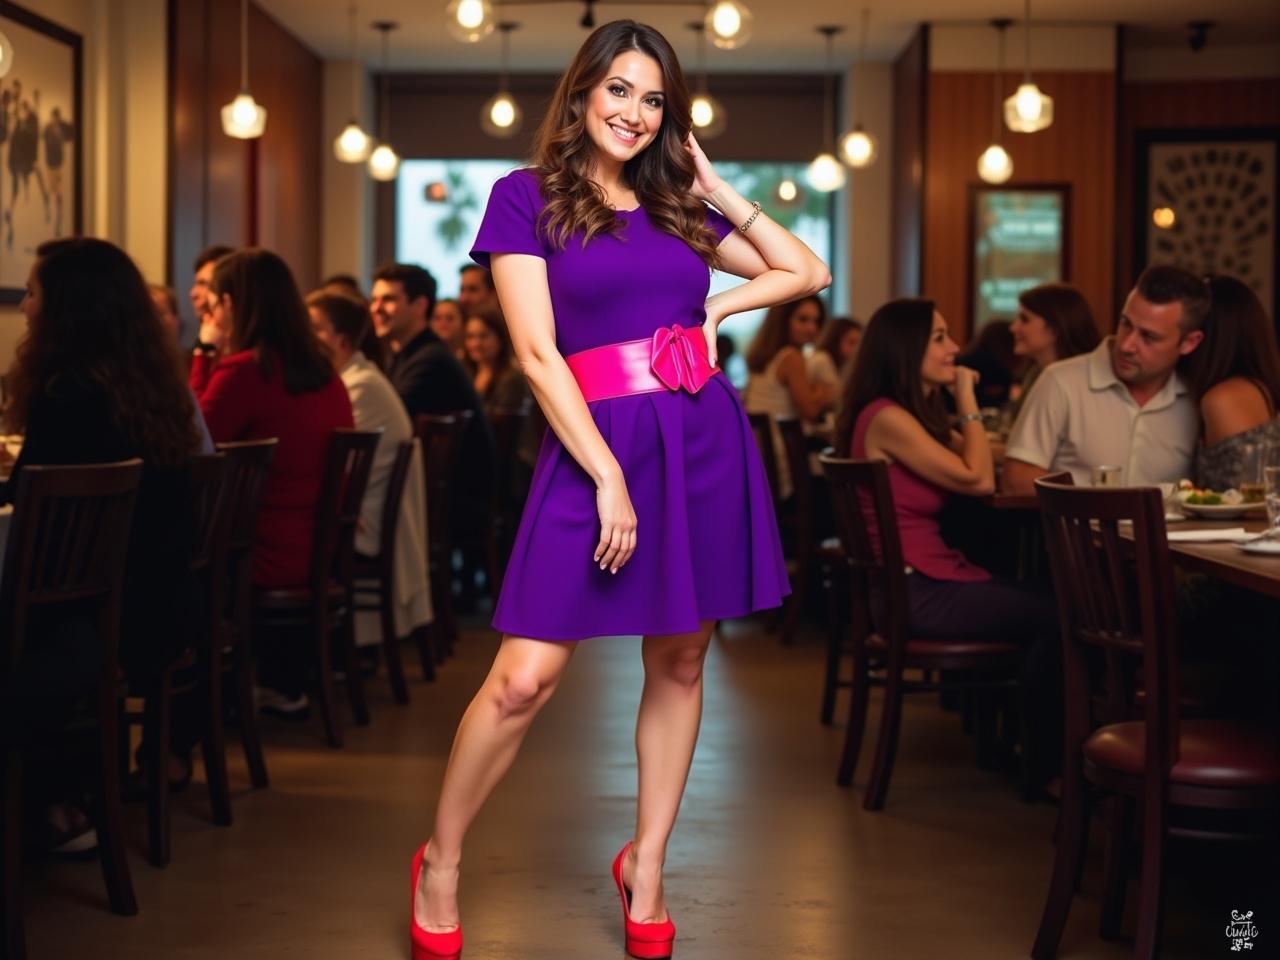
(1018, 238)
(1206, 201)
(41, 140)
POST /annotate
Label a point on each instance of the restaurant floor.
(770, 859)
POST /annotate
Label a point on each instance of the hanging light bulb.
(1028, 110)
(6, 54)
(707, 113)
(500, 116)
(384, 162)
(729, 23)
(353, 145)
(858, 148)
(994, 163)
(825, 173)
(787, 194)
(469, 20)
(244, 118)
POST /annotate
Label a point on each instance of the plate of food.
(1218, 505)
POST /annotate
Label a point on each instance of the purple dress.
(707, 543)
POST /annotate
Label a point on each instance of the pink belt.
(672, 358)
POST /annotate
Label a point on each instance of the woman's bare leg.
(523, 677)
(666, 733)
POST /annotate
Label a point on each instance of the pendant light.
(353, 145)
(729, 23)
(500, 116)
(6, 54)
(857, 147)
(469, 20)
(1029, 109)
(709, 116)
(994, 164)
(825, 173)
(244, 118)
(384, 163)
(787, 194)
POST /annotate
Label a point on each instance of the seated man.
(1123, 404)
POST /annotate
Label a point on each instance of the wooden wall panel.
(1078, 149)
(910, 108)
(1182, 105)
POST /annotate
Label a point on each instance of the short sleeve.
(719, 224)
(1041, 423)
(509, 224)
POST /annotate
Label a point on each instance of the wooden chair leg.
(795, 603)
(351, 661)
(857, 724)
(426, 656)
(887, 745)
(328, 700)
(831, 681)
(1115, 867)
(1072, 834)
(15, 940)
(108, 818)
(391, 644)
(1151, 881)
(248, 713)
(213, 744)
(156, 727)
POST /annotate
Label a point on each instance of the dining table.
(1225, 560)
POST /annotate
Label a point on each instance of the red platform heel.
(428, 945)
(646, 941)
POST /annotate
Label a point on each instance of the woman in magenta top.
(273, 380)
(893, 411)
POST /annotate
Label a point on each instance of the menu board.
(1019, 241)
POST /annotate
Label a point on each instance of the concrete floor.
(770, 859)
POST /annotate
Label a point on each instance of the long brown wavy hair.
(661, 175)
(1239, 341)
(775, 331)
(269, 318)
(1065, 312)
(98, 326)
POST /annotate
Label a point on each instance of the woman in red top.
(260, 372)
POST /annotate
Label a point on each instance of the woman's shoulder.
(525, 181)
(1235, 399)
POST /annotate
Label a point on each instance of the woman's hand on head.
(211, 333)
(705, 179)
(617, 524)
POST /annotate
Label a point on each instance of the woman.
(448, 322)
(497, 379)
(834, 353)
(97, 379)
(893, 410)
(779, 383)
(1054, 322)
(600, 254)
(259, 372)
(1235, 377)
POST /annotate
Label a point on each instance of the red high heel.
(428, 945)
(647, 941)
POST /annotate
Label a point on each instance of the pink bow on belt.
(680, 360)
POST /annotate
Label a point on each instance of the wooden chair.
(1115, 613)
(66, 548)
(441, 437)
(323, 606)
(882, 646)
(247, 470)
(373, 588)
(762, 430)
(508, 426)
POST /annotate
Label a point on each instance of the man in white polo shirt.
(1123, 404)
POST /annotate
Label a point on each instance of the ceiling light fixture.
(6, 54)
(825, 173)
(729, 24)
(500, 116)
(709, 116)
(384, 162)
(469, 20)
(353, 145)
(244, 118)
(1029, 109)
(857, 147)
(994, 164)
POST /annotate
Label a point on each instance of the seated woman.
(260, 372)
(1054, 322)
(893, 410)
(1235, 377)
(448, 323)
(341, 321)
(97, 379)
(834, 353)
(779, 383)
(491, 363)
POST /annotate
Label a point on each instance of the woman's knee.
(679, 663)
(521, 683)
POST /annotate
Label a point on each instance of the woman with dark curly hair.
(97, 379)
(649, 512)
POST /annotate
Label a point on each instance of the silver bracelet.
(751, 219)
(968, 418)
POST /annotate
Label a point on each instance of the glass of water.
(1271, 481)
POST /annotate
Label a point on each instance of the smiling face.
(804, 323)
(1033, 338)
(482, 344)
(624, 111)
(938, 368)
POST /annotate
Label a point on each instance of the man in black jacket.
(430, 379)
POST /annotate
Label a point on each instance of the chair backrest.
(68, 539)
(1117, 601)
(762, 428)
(508, 426)
(395, 493)
(247, 470)
(347, 462)
(441, 436)
(207, 494)
(795, 447)
(867, 524)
